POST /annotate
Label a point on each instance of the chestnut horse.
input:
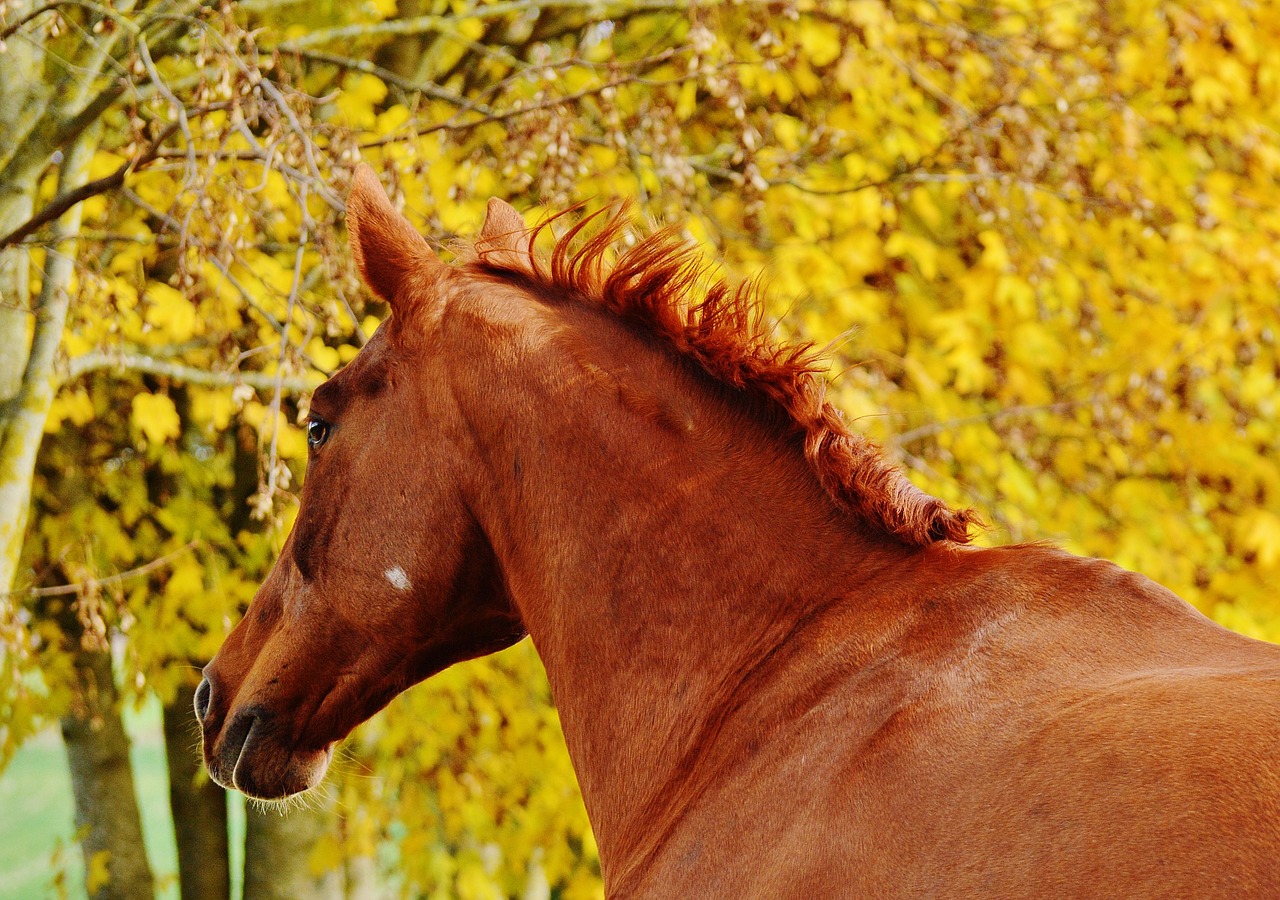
(779, 669)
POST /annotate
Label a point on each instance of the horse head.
(386, 577)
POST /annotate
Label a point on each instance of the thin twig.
(94, 584)
(933, 428)
(105, 11)
(408, 85)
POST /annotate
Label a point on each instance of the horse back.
(1047, 726)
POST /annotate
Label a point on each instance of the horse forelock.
(664, 284)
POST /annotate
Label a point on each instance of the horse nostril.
(203, 695)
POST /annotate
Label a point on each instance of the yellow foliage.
(820, 41)
(156, 417)
(323, 357)
(170, 313)
(1260, 535)
(213, 406)
(1045, 236)
(356, 102)
(74, 405)
(920, 250)
(291, 440)
(688, 100)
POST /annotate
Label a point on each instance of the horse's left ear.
(386, 248)
(504, 240)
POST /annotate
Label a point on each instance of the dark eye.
(317, 433)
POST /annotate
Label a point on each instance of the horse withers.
(779, 668)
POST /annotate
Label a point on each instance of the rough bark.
(24, 416)
(15, 208)
(102, 780)
(23, 91)
(107, 818)
(199, 808)
(278, 853)
(22, 96)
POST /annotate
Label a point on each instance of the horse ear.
(504, 240)
(385, 247)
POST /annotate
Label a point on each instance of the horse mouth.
(251, 761)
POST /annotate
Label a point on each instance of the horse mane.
(722, 330)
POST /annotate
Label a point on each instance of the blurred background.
(1039, 238)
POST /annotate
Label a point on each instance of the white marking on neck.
(399, 580)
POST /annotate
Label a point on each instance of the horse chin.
(301, 771)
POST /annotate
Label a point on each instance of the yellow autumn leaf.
(186, 580)
(358, 99)
(390, 120)
(346, 353)
(995, 255)
(1260, 534)
(787, 129)
(213, 406)
(156, 417)
(170, 313)
(324, 357)
(820, 41)
(687, 101)
(75, 405)
(291, 441)
(922, 251)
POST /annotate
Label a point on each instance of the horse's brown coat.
(779, 671)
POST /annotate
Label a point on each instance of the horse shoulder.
(1038, 708)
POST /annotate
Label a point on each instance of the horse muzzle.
(244, 750)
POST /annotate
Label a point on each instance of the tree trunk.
(22, 419)
(16, 206)
(279, 852)
(23, 97)
(102, 780)
(199, 808)
(108, 821)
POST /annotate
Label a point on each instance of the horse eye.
(317, 433)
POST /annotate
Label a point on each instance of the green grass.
(37, 828)
(38, 850)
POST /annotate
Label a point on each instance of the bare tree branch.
(550, 103)
(139, 362)
(60, 204)
(933, 428)
(94, 584)
(431, 23)
(34, 14)
(407, 85)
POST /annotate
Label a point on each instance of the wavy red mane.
(664, 284)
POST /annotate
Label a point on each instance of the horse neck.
(660, 542)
